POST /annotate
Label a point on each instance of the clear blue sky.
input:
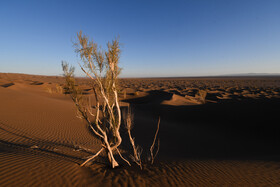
(160, 38)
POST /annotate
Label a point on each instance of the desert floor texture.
(232, 139)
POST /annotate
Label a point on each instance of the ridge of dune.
(177, 100)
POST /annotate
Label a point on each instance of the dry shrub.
(58, 89)
(104, 119)
(49, 90)
(201, 95)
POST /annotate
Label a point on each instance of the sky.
(158, 38)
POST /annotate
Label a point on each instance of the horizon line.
(164, 77)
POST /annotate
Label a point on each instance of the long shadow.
(42, 144)
(15, 145)
(229, 129)
(7, 85)
(36, 140)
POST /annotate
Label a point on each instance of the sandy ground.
(232, 139)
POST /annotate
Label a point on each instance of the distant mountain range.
(251, 74)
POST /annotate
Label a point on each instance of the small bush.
(201, 95)
(104, 119)
(58, 89)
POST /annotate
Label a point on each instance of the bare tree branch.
(91, 158)
(153, 145)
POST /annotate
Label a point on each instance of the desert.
(232, 138)
(139, 93)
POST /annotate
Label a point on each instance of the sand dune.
(231, 140)
(180, 100)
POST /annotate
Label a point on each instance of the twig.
(91, 158)
(123, 157)
(153, 145)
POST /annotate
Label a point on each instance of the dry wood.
(136, 150)
(102, 68)
(153, 145)
(92, 157)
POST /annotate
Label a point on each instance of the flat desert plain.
(230, 138)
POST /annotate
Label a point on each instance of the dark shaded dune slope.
(230, 129)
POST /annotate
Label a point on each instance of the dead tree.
(102, 67)
(104, 118)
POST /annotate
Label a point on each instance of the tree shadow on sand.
(27, 142)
